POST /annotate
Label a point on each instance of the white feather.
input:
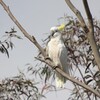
(58, 54)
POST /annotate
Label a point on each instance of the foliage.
(7, 43)
(81, 57)
(18, 88)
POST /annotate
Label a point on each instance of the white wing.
(63, 58)
(58, 54)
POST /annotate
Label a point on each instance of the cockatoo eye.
(53, 32)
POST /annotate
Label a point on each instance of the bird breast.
(55, 48)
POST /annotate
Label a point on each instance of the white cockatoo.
(57, 52)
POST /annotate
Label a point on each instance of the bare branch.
(91, 34)
(78, 14)
(33, 40)
(88, 13)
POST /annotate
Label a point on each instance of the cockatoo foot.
(47, 58)
(55, 67)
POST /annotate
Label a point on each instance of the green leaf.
(87, 76)
(96, 74)
(5, 50)
(89, 81)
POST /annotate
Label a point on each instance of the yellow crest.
(61, 27)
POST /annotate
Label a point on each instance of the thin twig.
(78, 91)
(83, 81)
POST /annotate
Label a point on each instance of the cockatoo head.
(56, 30)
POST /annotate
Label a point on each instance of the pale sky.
(36, 16)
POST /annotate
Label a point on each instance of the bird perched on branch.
(57, 52)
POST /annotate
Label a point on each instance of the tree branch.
(78, 14)
(89, 31)
(33, 40)
(88, 13)
(72, 79)
(91, 34)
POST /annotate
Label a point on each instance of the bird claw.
(47, 58)
(55, 67)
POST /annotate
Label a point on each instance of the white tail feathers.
(60, 80)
